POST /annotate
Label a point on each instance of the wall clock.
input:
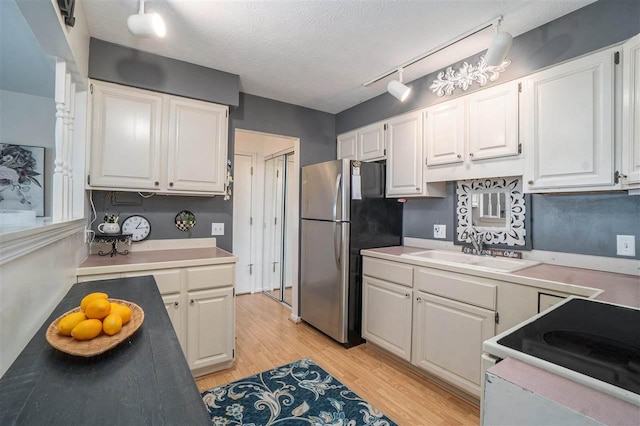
(138, 226)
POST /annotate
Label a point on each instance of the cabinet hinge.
(233, 353)
(385, 126)
(275, 220)
(234, 292)
(277, 173)
(91, 88)
(616, 58)
(519, 148)
(226, 114)
(497, 318)
(617, 176)
(250, 221)
(520, 87)
(384, 152)
(251, 170)
(88, 179)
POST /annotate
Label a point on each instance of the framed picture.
(22, 178)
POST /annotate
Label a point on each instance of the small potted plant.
(185, 220)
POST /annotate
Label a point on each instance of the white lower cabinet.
(174, 309)
(211, 328)
(386, 316)
(447, 339)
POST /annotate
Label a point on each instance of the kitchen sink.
(483, 263)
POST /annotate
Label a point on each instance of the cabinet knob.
(170, 183)
(156, 183)
(471, 154)
(418, 299)
(192, 301)
(175, 303)
(459, 156)
(407, 295)
(530, 182)
(417, 189)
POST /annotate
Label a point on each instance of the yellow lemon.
(112, 324)
(98, 309)
(66, 324)
(122, 310)
(87, 329)
(89, 297)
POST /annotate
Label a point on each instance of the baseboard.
(295, 319)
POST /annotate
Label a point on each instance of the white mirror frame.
(513, 234)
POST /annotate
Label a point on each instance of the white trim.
(16, 244)
(295, 319)
(584, 261)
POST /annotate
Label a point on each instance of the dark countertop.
(145, 380)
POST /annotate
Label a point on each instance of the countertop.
(606, 286)
(144, 380)
(155, 259)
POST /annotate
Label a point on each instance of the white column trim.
(58, 171)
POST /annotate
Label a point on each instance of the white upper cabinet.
(568, 125)
(445, 132)
(347, 146)
(493, 122)
(126, 138)
(371, 145)
(404, 155)
(631, 113)
(197, 149)
(147, 141)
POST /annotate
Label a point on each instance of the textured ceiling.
(315, 53)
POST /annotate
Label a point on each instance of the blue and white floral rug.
(300, 393)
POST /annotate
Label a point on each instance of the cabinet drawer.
(389, 271)
(86, 278)
(168, 281)
(464, 288)
(210, 276)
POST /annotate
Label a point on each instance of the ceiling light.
(397, 89)
(145, 25)
(499, 48)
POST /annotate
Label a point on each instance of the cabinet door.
(386, 316)
(445, 132)
(174, 309)
(347, 146)
(197, 144)
(404, 155)
(371, 142)
(569, 124)
(631, 111)
(210, 327)
(125, 137)
(447, 339)
(493, 122)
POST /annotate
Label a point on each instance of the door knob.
(459, 156)
(175, 303)
(192, 301)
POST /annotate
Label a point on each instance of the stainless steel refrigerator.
(343, 211)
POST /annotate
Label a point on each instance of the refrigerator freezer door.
(326, 188)
(324, 284)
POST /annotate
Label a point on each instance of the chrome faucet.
(477, 239)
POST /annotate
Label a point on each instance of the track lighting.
(146, 25)
(499, 48)
(397, 89)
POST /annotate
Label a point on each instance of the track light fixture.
(499, 48)
(397, 89)
(146, 25)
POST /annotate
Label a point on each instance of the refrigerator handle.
(335, 202)
(337, 247)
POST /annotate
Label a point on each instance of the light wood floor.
(265, 338)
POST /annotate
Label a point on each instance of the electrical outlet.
(217, 229)
(439, 231)
(626, 245)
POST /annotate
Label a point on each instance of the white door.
(386, 316)
(631, 111)
(569, 124)
(347, 146)
(493, 122)
(197, 146)
(371, 142)
(404, 155)
(447, 339)
(174, 309)
(445, 132)
(243, 230)
(210, 327)
(125, 137)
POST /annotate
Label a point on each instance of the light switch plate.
(217, 229)
(626, 245)
(439, 231)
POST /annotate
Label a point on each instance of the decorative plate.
(97, 345)
(185, 220)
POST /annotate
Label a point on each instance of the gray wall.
(580, 223)
(123, 65)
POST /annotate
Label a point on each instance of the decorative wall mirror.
(494, 208)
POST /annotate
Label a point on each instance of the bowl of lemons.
(97, 325)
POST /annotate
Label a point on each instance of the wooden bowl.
(97, 345)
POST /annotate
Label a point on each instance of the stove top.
(592, 338)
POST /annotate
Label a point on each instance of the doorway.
(266, 215)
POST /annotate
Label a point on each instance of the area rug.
(300, 393)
